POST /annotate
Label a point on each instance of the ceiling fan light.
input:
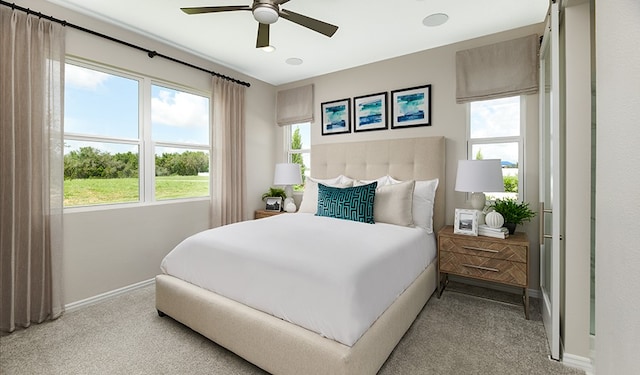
(265, 14)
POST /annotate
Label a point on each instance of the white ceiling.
(369, 30)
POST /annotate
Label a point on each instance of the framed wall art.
(411, 107)
(466, 222)
(336, 117)
(370, 112)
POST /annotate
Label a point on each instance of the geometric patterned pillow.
(352, 203)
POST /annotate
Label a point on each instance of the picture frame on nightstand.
(466, 222)
(273, 204)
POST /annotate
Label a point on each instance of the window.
(121, 148)
(495, 132)
(298, 146)
(180, 131)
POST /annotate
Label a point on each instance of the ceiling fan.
(267, 12)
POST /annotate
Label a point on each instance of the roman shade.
(294, 106)
(498, 70)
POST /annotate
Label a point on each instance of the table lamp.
(287, 175)
(477, 177)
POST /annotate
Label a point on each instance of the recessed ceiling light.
(268, 49)
(294, 61)
(435, 19)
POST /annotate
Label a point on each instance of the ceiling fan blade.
(198, 10)
(280, 2)
(263, 35)
(310, 23)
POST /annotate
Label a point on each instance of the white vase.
(290, 207)
(494, 219)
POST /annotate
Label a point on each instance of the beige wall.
(575, 320)
(106, 249)
(617, 187)
(435, 67)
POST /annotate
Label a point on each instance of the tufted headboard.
(403, 159)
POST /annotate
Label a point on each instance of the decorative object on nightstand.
(466, 222)
(287, 175)
(513, 212)
(503, 261)
(273, 204)
(290, 207)
(494, 219)
(477, 177)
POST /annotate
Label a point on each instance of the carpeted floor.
(457, 334)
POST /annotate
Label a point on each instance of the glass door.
(551, 183)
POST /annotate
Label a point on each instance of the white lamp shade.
(479, 176)
(287, 174)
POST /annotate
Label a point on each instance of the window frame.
(289, 152)
(145, 143)
(519, 139)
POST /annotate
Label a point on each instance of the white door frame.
(551, 148)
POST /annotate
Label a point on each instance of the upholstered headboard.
(403, 159)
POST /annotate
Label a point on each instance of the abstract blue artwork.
(411, 107)
(370, 112)
(336, 117)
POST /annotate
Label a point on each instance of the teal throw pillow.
(352, 203)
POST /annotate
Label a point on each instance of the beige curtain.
(498, 70)
(228, 180)
(31, 147)
(294, 106)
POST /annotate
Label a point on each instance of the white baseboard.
(107, 295)
(579, 362)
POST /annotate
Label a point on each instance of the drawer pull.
(480, 249)
(481, 268)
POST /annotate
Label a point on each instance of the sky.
(107, 105)
(496, 118)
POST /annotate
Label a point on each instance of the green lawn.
(83, 192)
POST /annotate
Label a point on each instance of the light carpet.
(456, 334)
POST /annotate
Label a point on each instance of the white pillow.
(393, 204)
(382, 181)
(309, 202)
(424, 195)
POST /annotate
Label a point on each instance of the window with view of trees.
(495, 133)
(120, 148)
(298, 141)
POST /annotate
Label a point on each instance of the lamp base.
(478, 201)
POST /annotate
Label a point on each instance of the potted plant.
(513, 212)
(274, 192)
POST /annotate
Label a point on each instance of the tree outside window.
(299, 142)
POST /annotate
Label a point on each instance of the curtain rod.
(149, 52)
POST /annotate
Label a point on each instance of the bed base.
(280, 347)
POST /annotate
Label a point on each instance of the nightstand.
(503, 261)
(260, 214)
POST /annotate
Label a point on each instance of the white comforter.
(331, 276)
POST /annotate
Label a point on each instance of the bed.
(265, 335)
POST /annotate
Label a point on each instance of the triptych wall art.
(408, 108)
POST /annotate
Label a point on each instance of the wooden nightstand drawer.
(476, 246)
(492, 269)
